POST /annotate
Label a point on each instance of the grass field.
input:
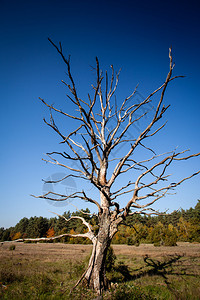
(49, 271)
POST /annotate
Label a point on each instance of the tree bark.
(95, 274)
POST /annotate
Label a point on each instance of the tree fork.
(148, 177)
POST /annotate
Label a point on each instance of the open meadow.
(50, 270)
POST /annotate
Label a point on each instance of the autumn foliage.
(183, 225)
(16, 236)
(50, 232)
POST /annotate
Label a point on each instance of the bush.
(110, 259)
(12, 247)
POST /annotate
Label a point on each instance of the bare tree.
(91, 146)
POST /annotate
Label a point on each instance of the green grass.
(171, 277)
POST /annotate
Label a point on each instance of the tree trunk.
(95, 274)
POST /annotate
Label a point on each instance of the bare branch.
(84, 235)
(60, 111)
(62, 197)
(76, 217)
(163, 190)
(65, 177)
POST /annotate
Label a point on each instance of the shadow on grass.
(152, 267)
(162, 269)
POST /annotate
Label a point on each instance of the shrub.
(12, 247)
(110, 259)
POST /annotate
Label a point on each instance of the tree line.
(167, 229)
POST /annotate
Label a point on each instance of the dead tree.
(91, 146)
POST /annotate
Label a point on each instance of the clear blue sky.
(134, 35)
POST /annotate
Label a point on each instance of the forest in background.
(168, 229)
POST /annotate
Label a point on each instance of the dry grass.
(49, 271)
(45, 251)
(186, 249)
(60, 251)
